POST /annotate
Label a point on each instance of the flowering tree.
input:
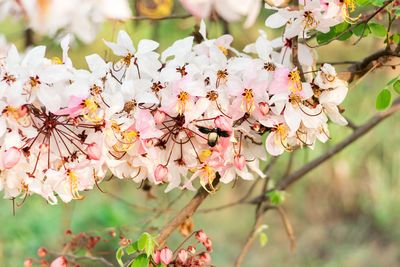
(199, 112)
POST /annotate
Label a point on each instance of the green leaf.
(395, 38)
(396, 86)
(340, 28)
(377, 30)
(276, 197)
(325, 37)
(383, 100)
(377, 2)
(359, 29)
(132, 248)
(140, 261)
(146, 242)
(363, 2)
(263, 239)
(393, 80)
(118, 255)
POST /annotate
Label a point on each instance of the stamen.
(295, 84)
(248, 104)
(183, 99)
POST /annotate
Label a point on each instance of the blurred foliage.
(344, 213)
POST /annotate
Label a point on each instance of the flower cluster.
(192, 256)
(195, 112)
(82, 18)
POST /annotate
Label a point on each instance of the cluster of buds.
(76, 243)
(190, 257)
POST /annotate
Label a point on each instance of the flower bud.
(28, 262)
(22, 111)
(42, 252)
(94, 151)
(257, 127)
(68, 232)
(205, 258)
(11, 157)
(240, 162)
(59, 262)
(201, 236)
(183, 255)
(149, 143)
(45, 263)
(160, 173)
(223, 123)
(156, 256)
(166, 255)
(192, 249)
(208, 244)
(159, 116)
(264, 108)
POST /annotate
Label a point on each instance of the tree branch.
(184, 213)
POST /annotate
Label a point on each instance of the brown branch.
(183, 16)
(249, 239)
(287, 224)
(184, 213)
(360, 68)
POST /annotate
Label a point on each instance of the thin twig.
(77, 258)
(183, 16)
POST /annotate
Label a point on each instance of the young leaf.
(276, 197)
(146, 242)
(377, 2)
(377, 30)
(392, 81)
(263, 239)
(132, 248)
(118, 255)
(383, 100)
(395, 38)
(140, 261)
(396, 86)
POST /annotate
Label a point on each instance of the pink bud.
(159, 116)
(240, 162)
(94, 151)
(205, 258)
(42, 252)
(183, 255)
(11, 157)
(156, 256)
(256, 127)
(149, 143)
(192, 249)
(166, 255)
(22, 111)
(160, 173)
(208, 244)
(59, 262)
(223, 123)
(28, 262)
(201, 236)
(264, 108)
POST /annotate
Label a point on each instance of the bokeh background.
(344, 213)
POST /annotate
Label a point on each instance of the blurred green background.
(344, 213)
